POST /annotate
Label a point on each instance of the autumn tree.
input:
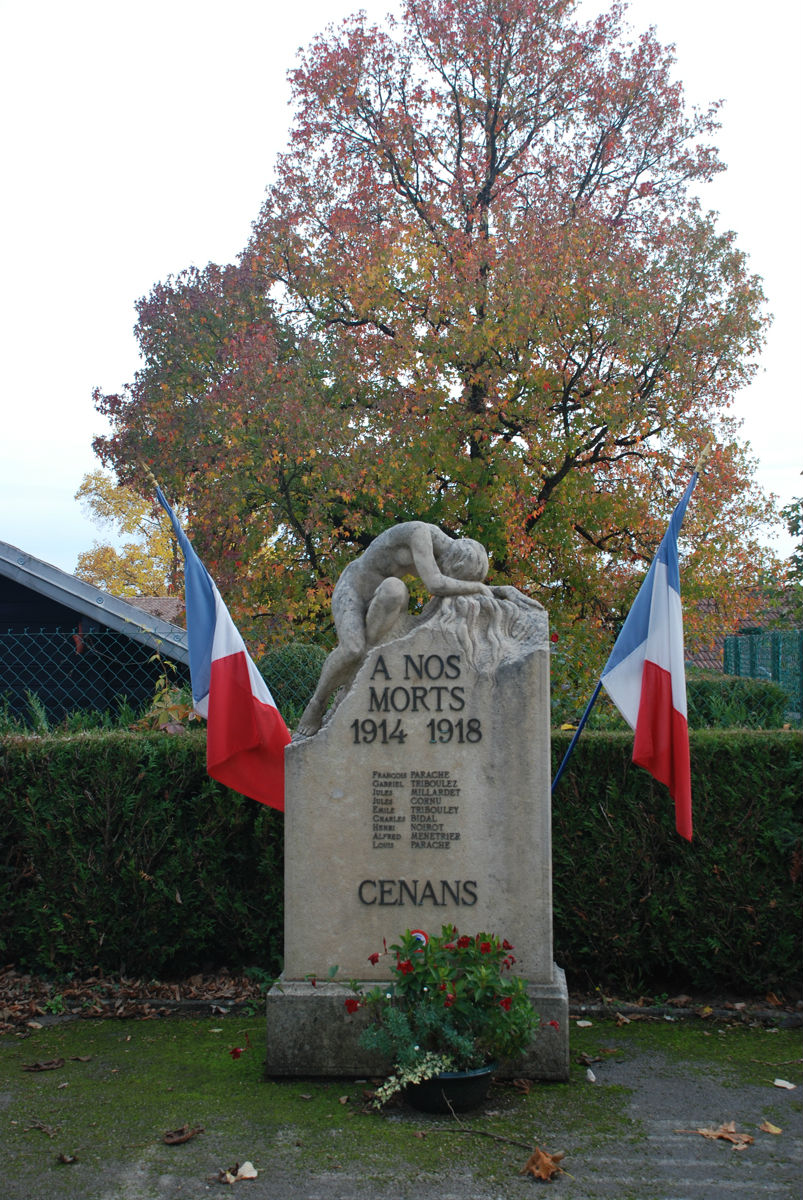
(481, 293)
(792, 514)
(145, 565)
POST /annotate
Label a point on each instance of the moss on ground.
(124, 1083)
(749, 1054)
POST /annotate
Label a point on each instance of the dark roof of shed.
(111, 611)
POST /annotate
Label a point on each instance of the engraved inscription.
(422, 685)
(417, 892)
(433, 808)
(387, 823)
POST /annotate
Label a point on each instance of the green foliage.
(453, 1005)
(637, 909)
(291, 672)
(37, 713)
(793, 516)
(118, 850)
(9, 721)
(725, 702)
(171, 704)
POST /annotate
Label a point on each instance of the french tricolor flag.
(246, 736)
(645, 675)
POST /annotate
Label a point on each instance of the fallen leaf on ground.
(51, 1064)
(784, 1083)
(768, 1127)
(523, 1085)
(237, 1172)
(176, 1137)
(584, 1024)
(542, 1165)
(50, 1130)
(590, 1076)
(726, 1133)
(67, 1158)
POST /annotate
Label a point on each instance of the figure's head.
(465, 559)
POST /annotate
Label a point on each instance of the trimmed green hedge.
(639, 908)
(118, 851)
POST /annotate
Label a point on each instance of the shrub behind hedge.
(733, 702)
(117, 850)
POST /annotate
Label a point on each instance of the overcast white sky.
(138, 137)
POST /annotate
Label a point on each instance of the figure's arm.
(507, 592)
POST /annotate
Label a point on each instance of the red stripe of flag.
(245, 738)
(661, 743)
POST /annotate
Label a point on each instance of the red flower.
(373, 958)
(238, 1050)
(352, 1004)
(555, 1024)
(485, 947)
(449, 999)
(505, 1003)
(553, 637)
(463, 942)
(404, 968)
(506, 945)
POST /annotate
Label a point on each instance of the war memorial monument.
(419, 796)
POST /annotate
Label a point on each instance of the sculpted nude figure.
(370, 596)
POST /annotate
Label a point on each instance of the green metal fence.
(769, 654)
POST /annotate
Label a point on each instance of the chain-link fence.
(769, 654)
(46, 675)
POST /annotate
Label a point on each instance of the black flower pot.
(456, 1091)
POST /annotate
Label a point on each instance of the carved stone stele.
(423, 800)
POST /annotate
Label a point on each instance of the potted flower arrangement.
(452, 1009)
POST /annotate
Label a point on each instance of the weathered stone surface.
(310, 1033)
(423, 800)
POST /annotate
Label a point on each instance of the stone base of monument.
(311, 1034)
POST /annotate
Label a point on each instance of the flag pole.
(577, 733)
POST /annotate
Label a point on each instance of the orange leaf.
(726, 1133)
(542, 1165)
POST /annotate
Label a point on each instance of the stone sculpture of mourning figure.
(370, 596)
